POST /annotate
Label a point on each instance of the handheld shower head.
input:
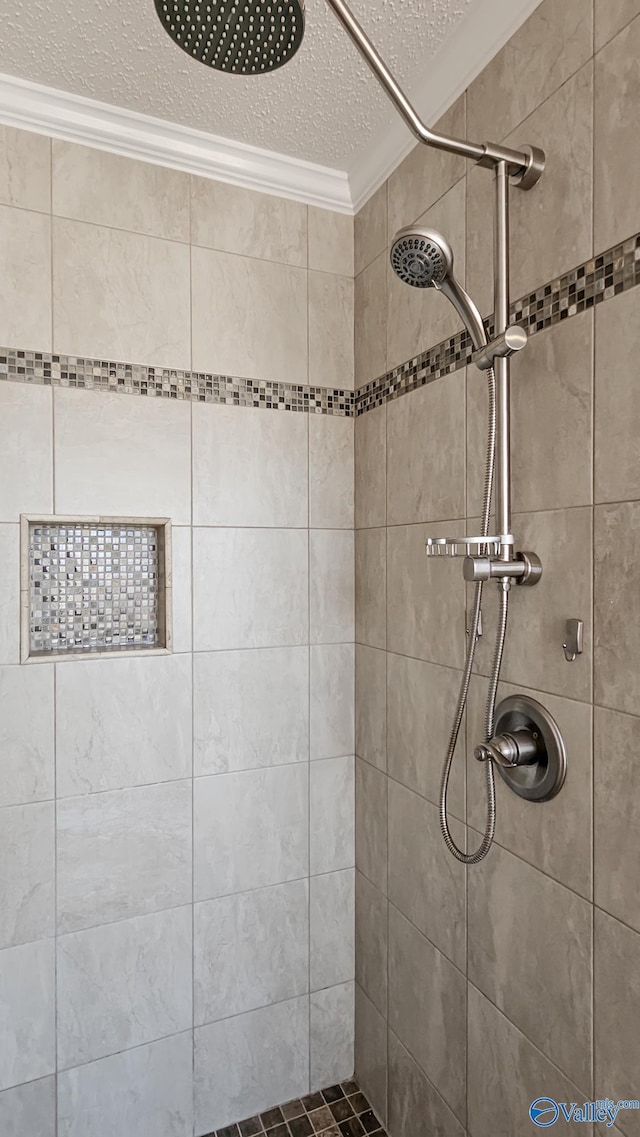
(241, 37)
(423, 258)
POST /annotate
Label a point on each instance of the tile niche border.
(598, 279)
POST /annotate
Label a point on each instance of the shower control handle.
(510, 750)
(525, 568)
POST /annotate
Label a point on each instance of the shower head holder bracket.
(512, 340)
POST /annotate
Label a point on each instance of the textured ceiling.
(324, 106)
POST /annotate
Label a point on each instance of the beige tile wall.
(109, 257)
(177, 834)
(543, 938)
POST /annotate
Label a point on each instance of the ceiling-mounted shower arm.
(525, 166)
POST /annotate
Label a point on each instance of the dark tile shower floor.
(340, 1111)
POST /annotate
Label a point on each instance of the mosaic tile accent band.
(339, 1111)
(589, 284)
(614, 271)
(93, 588)
(156, 382)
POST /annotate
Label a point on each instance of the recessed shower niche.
(95, 586)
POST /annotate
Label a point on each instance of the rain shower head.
(423, 258)
(241, 37)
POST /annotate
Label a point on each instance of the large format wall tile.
(331, 341)
(10, 594)
(251, 709)
(27, 1015)
(249, 317)
(371, 587)
(551, 387)
(616, 814)
(108, 189)
(553, 43)
(426, 883)
(25, 285)
(250, 950)
(426, 174)
(120, 295)
(511, 905)
(147, 1091)
(271, 1043)
(617, 88)
(371, 824)
(425, 610)
(427, 1009)
(249, 468)
(551, 224)
(27, 425)
(122, 722)
(415, 1106)
(25, 169)
(331, 796)
(617, 606)
(421, 703)
(371, 1053)
(330, 241)
(533, 654)
(371, 705)
(331, 593)
(495, 1044)
(371, 321)
(617, 1005)
(181, 576)
(371, 468)
(103, 837)
(617, 420)
(425, 453)
(370, 230)
(371, 942)
(122, 457)
(331, 472)
(332, 700)
(331, 1036)
(122, 985)
(332, 936)
(30, 1108)
(27, 859)
(250, 830)
(236, 220)
(418, 317)
(611, 16)
(250, 588)
(557, 837)
(27, 734)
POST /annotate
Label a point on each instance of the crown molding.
(74, 118)
(472, 44)
(487, 25)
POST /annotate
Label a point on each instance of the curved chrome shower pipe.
(525, 166)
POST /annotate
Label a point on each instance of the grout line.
(309, 699)
(615, 35)
(520, 1031)
(193, 728)
(55, 891)
(593, 560)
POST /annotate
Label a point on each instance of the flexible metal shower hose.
(489, 833)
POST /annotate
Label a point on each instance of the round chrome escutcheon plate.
(545, 778)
